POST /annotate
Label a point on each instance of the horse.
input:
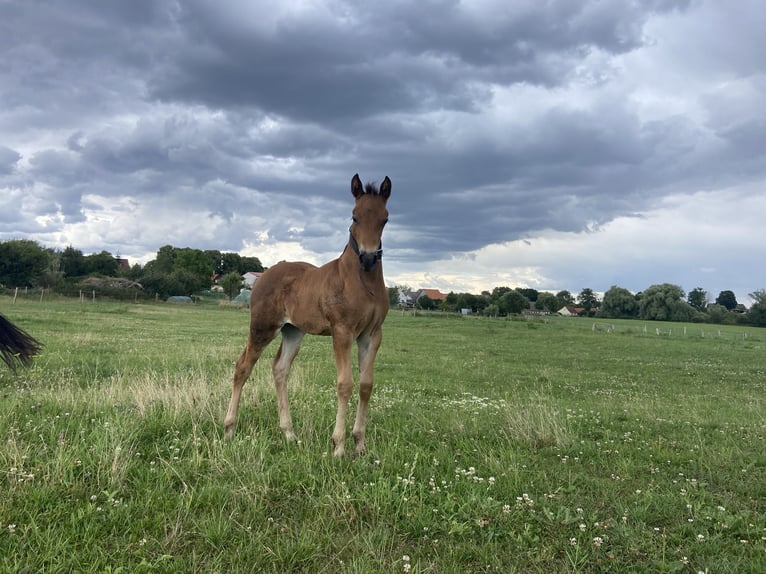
(345, 299)
(16, 345)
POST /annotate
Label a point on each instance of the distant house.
(122, 263)
(406, 298)
(433, 294)
(571, 311)
(533, 310)
(251, 277)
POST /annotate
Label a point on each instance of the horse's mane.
(371, 188)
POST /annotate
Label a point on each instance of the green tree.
(548, 302)
(565, 298)
(529, 293)
(102, 263)
(450, 302)
(216, 262)
(393, 297)
(22, 263)
(189, 282)
(251, 264)
(425, 302)
(160, 284)
(498, 292)
(228, 262)
(491, 310)
(512, 303)
(727, 299)
(179, 282)
(470, 301)
(588, 300)
(195, 262)
(231, 283)
(697, 298)
(72, 262)
(719, 314)
(135, 272)
(618, 303)
(757, 313)
(665, 303)
(165, 261)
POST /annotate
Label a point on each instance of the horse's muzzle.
(368, 260)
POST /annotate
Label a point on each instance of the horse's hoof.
(359, 452)
(338, 449)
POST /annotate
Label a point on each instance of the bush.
(720, 315)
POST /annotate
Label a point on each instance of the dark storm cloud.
(349, 61)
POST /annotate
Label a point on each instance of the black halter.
(365, 265)
(355, 248)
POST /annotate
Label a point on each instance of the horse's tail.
(16, 344)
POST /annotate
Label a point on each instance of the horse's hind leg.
(288, 349)
(256, 343)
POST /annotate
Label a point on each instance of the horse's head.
(369, 217)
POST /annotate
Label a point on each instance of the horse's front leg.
(341, 344)
(368, 348)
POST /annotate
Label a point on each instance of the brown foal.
(345, 298)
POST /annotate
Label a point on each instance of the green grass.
(494, 446)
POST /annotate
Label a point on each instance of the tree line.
(188, 271)
(662, 302)
(174, 271)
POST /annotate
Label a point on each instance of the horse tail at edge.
(16, 345)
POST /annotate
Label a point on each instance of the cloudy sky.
(549, 144)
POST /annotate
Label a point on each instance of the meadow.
(542, 445)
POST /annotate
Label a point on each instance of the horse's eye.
(385, 221)
(355, 220)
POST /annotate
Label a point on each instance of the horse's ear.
(356, 186)
(385, 188)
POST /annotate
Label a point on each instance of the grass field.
(494, 446)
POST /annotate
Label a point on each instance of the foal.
(345, 298)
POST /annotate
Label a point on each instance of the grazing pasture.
(493, 446)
